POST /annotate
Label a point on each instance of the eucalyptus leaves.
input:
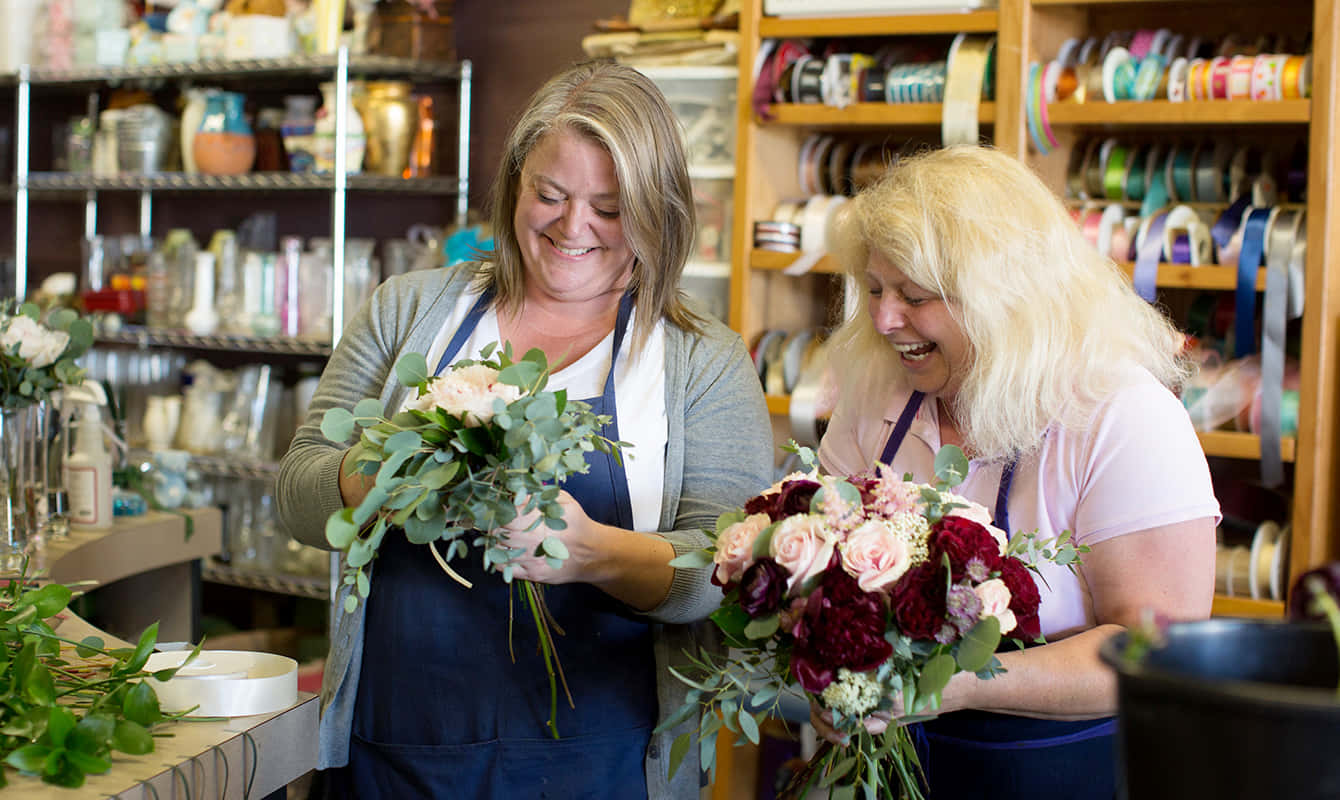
(38, 358)
(470, 451)
(61, 718)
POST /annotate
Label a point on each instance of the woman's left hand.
(527, 531)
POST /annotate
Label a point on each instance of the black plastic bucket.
(1230, 709)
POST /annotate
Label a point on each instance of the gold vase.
(390, 116)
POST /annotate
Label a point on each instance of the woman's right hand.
(822, 720)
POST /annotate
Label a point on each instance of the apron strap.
(467, 327)
(900, 429)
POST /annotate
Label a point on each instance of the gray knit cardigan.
(718, 454)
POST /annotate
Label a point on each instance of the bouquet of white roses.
(38, 358)
(474, 448)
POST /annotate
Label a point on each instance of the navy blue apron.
(967, 755)
(443, 712)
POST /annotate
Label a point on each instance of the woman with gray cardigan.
(593, 219)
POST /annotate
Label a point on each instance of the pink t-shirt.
(1138, 466)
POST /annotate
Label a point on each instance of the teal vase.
(224, 145)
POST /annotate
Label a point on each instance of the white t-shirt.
(1139, 465)
(639, 390)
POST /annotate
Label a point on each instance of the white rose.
(38, 345)
(995, 597)
(875, 555)
(468, 393)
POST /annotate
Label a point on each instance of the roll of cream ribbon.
(1184, 220)
(225, 683)
(963, 89)
(808, 397)
(815, 219)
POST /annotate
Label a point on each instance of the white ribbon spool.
(225, 683)
(815, 220)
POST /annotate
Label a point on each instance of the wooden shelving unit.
(763, 296)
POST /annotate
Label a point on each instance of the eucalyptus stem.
(529, 589)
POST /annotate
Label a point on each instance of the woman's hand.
(528, 530)
(875, 724)
(632, 567)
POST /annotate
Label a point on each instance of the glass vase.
(23, 500)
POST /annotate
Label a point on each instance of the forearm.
(632, 567)
(1061, 680)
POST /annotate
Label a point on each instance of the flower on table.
(32, 341)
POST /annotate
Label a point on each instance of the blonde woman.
(593, 217)
(993, 325)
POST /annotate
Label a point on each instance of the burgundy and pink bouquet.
(868, 594)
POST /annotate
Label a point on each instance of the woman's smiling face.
(568, 221)
(931, 345)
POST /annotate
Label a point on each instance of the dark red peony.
(1024, 598)
(843, 627)
(793, 498)
(964, 540)
(918, 600)
(762, 587)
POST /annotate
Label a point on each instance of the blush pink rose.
(802, 545)
(875, 556)
(995, 597)
(467, 393)
(735, 548)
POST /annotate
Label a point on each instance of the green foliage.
(61, 718)
(21, 382)
(437, 474)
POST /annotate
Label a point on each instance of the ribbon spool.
(1186, 238)
(965, 75)
(810, 395)
(1113, 240)
(1263, 561)
(765, 350)
(225, 683)
(1230, 571)
(779, 237)
(1284, 229)
(816, 220)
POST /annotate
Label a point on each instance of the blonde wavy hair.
(1047, 318)
(621, 110)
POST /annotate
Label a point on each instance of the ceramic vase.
(390, 116)
(224, 144)
(192, 114)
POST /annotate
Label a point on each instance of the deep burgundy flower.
(793, 498)
(1301, 595)
(919, 600)
(963, 541)
(843, 627)
(1024, 598)
(762, 587)
(865, 484)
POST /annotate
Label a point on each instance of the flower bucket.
(1230, 708)
(22, 481)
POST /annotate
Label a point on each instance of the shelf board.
(255, 181)
(296, 66)
(295, 585)
(1170, 276)
(1225, 606)
(868, 115)
(778, 404)
(220, 466)
(1224, 444)
(1165, 112)
(143, 337)
(885, 25)
(1229, 444)
(1185, 276)
(771, 260)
